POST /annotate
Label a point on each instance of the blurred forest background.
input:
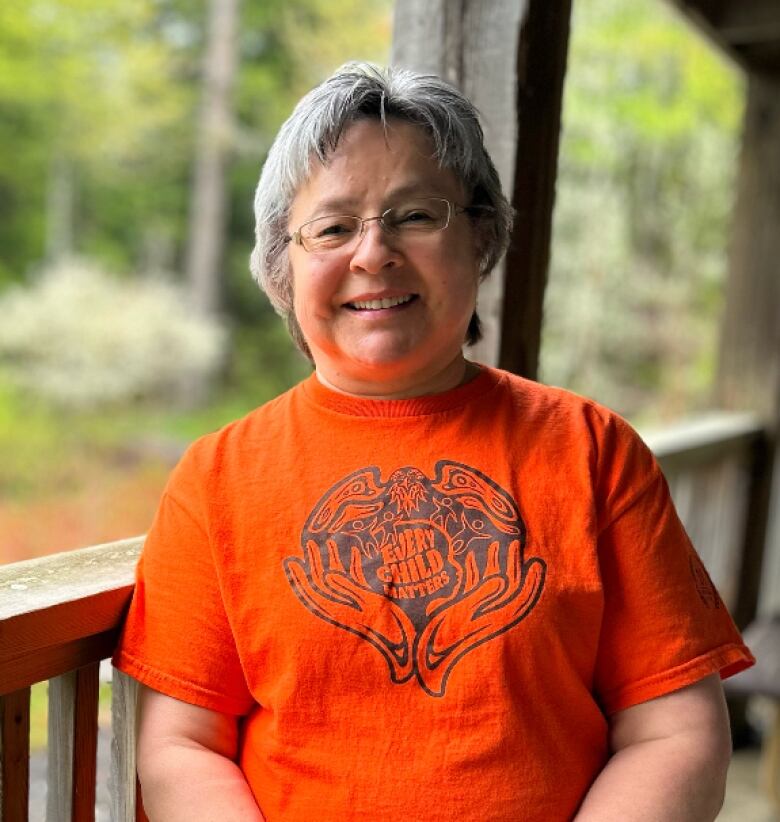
(131, 138)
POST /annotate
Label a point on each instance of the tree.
(207, 212)
(82, 103)
(651, 115)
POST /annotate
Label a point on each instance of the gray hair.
(355, 92)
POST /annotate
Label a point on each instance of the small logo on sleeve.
(705, 588)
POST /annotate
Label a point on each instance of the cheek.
(314, 289)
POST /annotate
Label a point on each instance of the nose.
(375, 249)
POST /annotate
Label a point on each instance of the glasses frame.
(453, 210)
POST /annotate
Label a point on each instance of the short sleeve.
(177, 638)
(664, 625)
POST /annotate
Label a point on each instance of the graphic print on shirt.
(424, 569)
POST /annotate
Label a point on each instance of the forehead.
(372, 164)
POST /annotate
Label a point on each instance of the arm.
(186, 763)
(669, 761)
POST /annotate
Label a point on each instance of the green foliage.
(98, 106)
(84, 84)
(63, 339)
(646, 174)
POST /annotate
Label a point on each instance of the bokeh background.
(131, 140)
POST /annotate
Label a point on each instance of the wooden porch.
(59, 617)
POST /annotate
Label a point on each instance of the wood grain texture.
(473, 45)
(15, 755)
(749, 359)
(62, 612)
(509, 58)
(122, 781)
(701, 439)
(37, 584)
(709, 464)
(541, 68)
(72, 749)
(59, 778)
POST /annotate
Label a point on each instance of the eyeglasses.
(416, 218)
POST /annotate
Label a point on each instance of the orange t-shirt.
(424, 609)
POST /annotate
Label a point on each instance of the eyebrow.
(342, 205)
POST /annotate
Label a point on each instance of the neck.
(458, 372)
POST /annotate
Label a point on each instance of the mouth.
(380, 303)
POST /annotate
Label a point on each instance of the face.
(384, 315)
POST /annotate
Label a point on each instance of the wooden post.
(509, 58)
(541, 68)
(749, 366)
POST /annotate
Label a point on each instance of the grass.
(46, 448)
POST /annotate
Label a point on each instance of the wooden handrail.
(719, 471)
(711, 436)
(59, 617)
(63, 611)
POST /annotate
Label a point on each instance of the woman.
(413, 587)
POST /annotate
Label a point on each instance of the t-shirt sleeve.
(177, 638)
(664, 625)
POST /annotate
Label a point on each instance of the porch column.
(509, 58)
(749, 365)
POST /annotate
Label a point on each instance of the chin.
(386, 354)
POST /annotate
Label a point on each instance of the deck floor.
(745, 802)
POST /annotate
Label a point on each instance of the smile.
(385, 302)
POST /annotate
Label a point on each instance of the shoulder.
(565, 424)
(560, 408)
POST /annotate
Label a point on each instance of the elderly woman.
(413, 587)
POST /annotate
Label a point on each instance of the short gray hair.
(359, 91)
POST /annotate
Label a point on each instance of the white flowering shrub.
(80, 337)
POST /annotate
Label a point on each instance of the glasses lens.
(329, 232)
(422, 215)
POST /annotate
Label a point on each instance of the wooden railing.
(718, 472)
(60, 615)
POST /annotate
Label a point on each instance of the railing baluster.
(60, 775)
(73, 727)
(123, 780)
(15, 755)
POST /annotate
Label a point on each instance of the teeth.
(386, 302)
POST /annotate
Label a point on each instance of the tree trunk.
(208, 204)
(60, 208)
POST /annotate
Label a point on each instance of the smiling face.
(384, 315)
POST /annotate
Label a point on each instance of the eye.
(414, 215)
(331, 227)
(419, 215)
(329, 232)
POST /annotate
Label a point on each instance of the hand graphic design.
(340, 598)
(490, 606)
(423, 569)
